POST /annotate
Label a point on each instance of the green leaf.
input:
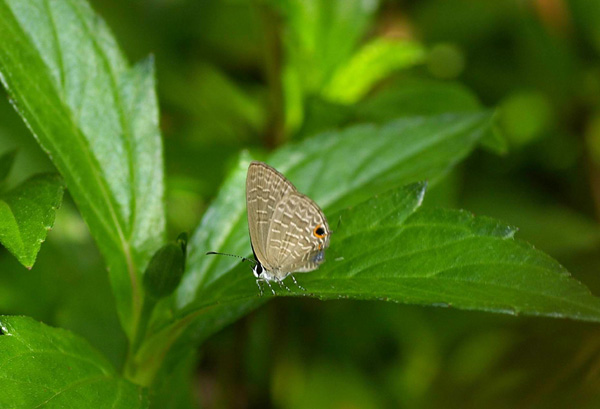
(446, 257)
(412, 96)
(6, 161)
(369, 65)
(27, 214)
(53, 368)
(404, 97)
(98, 120)
(336, 169)
(386, 249)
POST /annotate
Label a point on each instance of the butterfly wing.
(295, 242)
(265, 187)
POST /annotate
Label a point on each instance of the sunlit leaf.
(97, 119)
(372, 63)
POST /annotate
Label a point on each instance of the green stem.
(131, 367)
(275, 135)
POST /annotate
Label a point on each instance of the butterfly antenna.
(337, 226)
(231, 255)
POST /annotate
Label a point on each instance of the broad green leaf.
(27, 214)
(97, 119)
(413, 96)
(372, 63)
(445, 257)
(53, 368)
(336, 169)
(6, 161)
(387, 249)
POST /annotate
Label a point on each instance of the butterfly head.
(257, 270)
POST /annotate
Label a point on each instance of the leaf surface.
(53, 368)
(27, 214)
(386, 248)
(369, 65)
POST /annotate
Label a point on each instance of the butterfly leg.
(282, 285)
(269, 284)
(259, 288)
(296, 282)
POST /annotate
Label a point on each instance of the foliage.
(382, 127)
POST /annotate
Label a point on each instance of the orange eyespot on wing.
(319, 232)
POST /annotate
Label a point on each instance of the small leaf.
(51, 367)
(6, 161)
(27, 213)
(369, 65)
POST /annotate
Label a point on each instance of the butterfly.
(288, 230)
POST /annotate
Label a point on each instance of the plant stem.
(131, 368)
(275, 133)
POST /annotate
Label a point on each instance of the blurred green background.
(220, 86)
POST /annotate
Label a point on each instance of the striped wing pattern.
(282, 223)
(292, 244)
(265, 187)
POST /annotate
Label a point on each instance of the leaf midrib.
(211, 304)
(127, 138)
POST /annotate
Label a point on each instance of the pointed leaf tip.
(26, 213)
